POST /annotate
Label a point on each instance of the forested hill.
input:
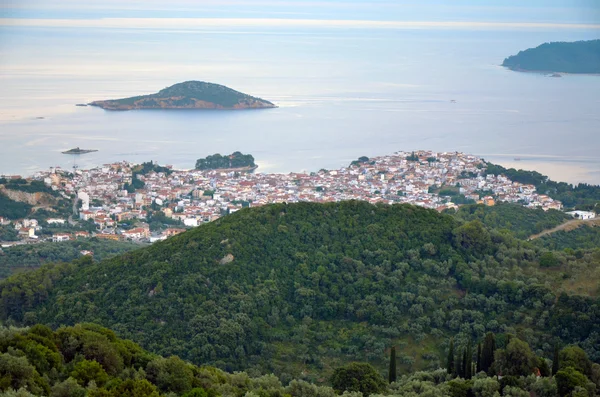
(188, 95)
(302, 288)
(575, 57)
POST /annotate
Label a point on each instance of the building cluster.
(192, 197)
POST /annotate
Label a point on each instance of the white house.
(60, 237)
(55, 221)
(583, 215)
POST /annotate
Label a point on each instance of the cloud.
(203, 23)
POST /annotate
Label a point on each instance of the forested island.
(235, 160)
(188, 95)
(582, 57)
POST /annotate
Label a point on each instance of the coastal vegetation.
(302, 289)
(582, 196)
(188, 95)
(234, 160)
(573, 57)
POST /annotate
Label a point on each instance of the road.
(567, 226)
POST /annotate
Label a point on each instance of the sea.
(342, 92)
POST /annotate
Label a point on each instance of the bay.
(342, 93)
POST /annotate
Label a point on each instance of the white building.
(583, 215)
(85, 200)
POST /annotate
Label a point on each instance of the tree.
(170, 374)
(392, 372)
(197, 392)
(86, 371)
(136, 388)
(463, 365)
(450, 363)
(517, 359)
(574, 356)
(472, 237)
(68, 388)
(487, 352)
(469, 362)
(567, 379)
(478, 368)
(358, 377)
(555, 361)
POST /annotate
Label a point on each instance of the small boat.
(517, 159)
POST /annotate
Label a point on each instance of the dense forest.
(89, 360)
(522, 222)
(301, 289)
(584, 237)
(234, 160)
(26, 257)
(582, 196)
(575, 57)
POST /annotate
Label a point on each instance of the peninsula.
(188, 95)
(579, 57)
(78, 151)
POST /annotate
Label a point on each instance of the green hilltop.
(301, 289)
(560, 57)
(188, 95)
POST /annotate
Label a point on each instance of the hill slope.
(305, 287)
(575, 57)
(188, 95)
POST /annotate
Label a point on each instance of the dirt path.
(567, 226)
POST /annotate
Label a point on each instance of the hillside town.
(152, 206)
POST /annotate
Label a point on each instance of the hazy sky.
(522, 11)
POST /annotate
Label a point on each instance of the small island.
(188, 95)
(579, 57)
(77, 150)
(235, 161)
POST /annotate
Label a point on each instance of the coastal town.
(120, 203)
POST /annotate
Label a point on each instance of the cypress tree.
(463, 366)
(450, 364)
(469, 362)
(392, 374)
(555, 363)
(478, 367)
(487, 352)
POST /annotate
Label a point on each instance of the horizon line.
(199, 23)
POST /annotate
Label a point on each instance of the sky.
(339, 13)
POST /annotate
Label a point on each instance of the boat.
(517, 159)
(77, 150)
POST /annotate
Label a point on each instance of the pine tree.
(487, 352)
(478, 368)
(392, 374)
(469, 362)
(450, 364)
(555, 363)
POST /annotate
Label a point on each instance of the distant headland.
(188, 95)
(579, 57)
(77, 150)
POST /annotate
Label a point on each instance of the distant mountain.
(559, 57)
(188, 95)
(302, 288)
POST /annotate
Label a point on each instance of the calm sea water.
(342, 93)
